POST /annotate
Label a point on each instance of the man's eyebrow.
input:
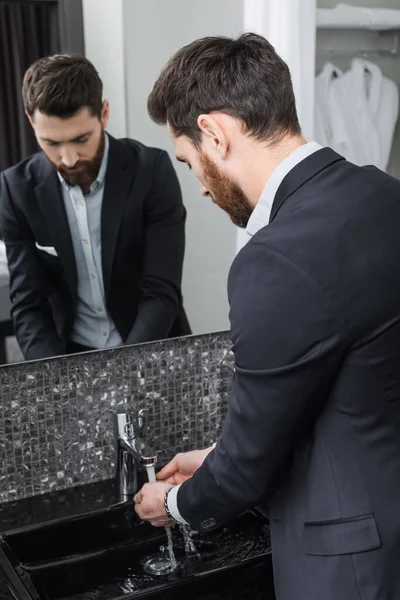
(82, 135)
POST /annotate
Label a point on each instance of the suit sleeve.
(29, 285)
(288, 347)
(165, 218)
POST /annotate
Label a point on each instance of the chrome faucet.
(132, 451)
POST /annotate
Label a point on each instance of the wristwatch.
(169, 515)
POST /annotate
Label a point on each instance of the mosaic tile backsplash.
(56, 425)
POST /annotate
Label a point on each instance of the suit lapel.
(51, 203)
(303, 172)
(118, 182)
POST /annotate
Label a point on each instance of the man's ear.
(214, 135)
(29, 118)
(105, 113)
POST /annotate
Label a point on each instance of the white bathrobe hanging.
(384, 107)
(363, 107)
(322, 120)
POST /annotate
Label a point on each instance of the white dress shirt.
(92, 326)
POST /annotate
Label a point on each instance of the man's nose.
(69, 157)
(204, 191)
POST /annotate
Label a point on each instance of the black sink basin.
(101, 555)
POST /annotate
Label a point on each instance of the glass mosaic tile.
(56, 427)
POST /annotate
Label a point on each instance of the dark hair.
(61, 85)
(244, 78)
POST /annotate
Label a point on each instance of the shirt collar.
(262, 212)
(102, 171)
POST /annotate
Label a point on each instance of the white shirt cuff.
(172, 502)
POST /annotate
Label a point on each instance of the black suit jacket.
(142, 233)
(313, 425)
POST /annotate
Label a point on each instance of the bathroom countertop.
(57, 505)
(48, 507)
(66, 503)
(247, 593)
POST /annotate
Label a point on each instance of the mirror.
(79, 276)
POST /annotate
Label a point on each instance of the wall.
(154, 30)
(390, 66)
(289, 25)
(104, 46)
(56, 425)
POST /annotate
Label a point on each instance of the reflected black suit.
(143, 240)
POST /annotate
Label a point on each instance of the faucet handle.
(124, 424)
(129, 426)
(141, 419)
(129, 430)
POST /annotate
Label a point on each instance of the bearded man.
(93, 226)
(313, 424)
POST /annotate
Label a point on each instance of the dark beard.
(227, 194)
(85, 171)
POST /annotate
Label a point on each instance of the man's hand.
(183, 466)
(149, 504)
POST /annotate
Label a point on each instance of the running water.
(161, 564)
(164, 562)
(151, 473)
(170, 548)
(187, 533)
